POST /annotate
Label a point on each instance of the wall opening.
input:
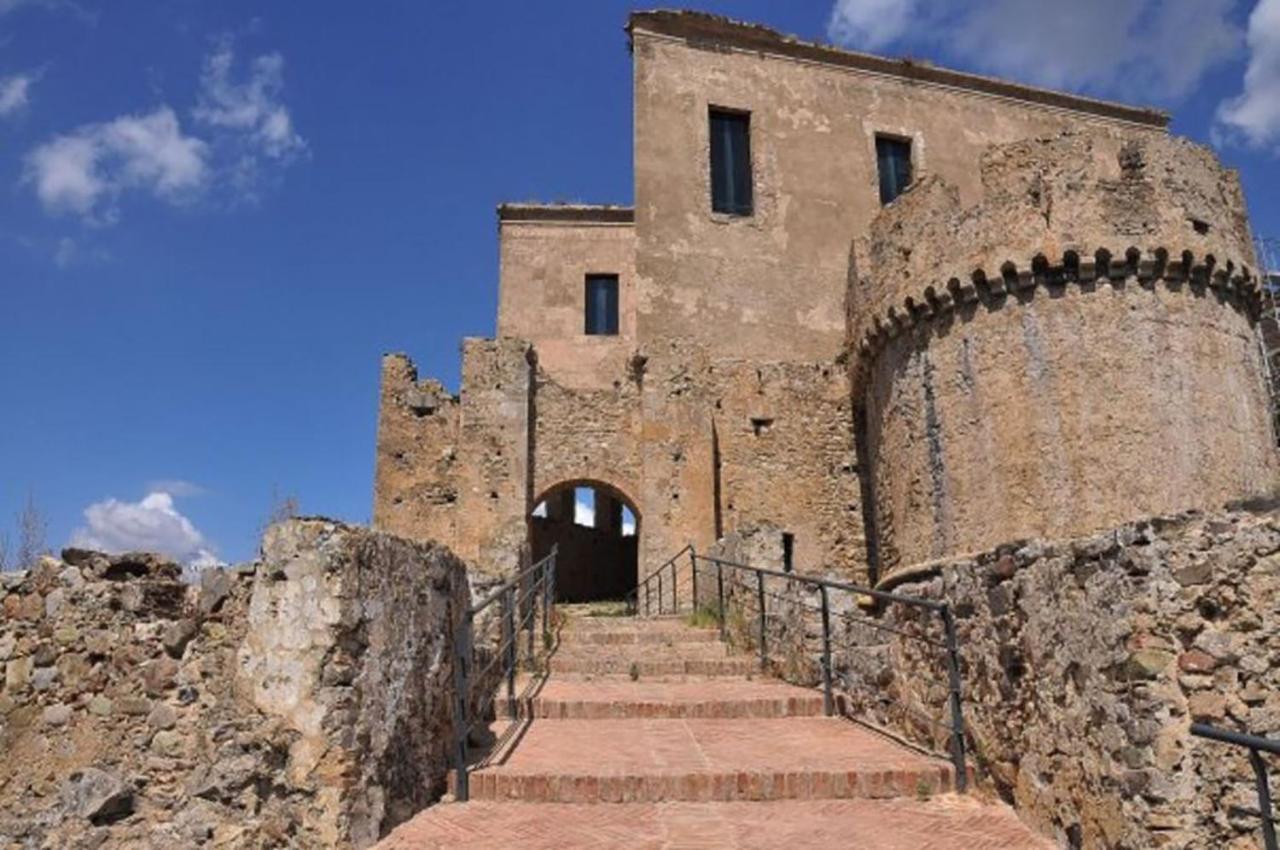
(597, 530)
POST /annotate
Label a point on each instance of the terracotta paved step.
(624, 761)
(655, 663)
(628, 636)
(947, 821)
(620, 698)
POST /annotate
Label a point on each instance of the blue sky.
(216, 216)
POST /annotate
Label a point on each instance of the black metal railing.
(1256, 747)
(487, 653)
(667, 587)
(662, 585)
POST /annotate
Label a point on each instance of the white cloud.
(85, 171)
(15, 92)
(1114, 47)
(245, 127)
(251, 108)
(870, 24)
(153, 524)
(1255, 113)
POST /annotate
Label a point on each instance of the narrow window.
(602, 304)
(731, 162)
(893, 158)
(788, 551)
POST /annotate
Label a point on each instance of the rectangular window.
(731, 162)
(893, 158)
(602, 304)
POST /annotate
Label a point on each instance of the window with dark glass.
(602, 304)
(731, 162)
(893, 159)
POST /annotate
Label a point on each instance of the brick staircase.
(647, 733)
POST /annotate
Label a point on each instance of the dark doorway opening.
(597, 531)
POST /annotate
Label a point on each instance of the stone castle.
(871, 326)
(899, 312)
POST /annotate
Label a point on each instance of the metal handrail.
(521, 598)
(656, 576)
(1255, 745)
(824, 587)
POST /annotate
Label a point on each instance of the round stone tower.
(1077, 350)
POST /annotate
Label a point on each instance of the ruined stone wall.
(586, 435)
(348, 645)
(1085, 662)
(303, 702)
(771, 285)
(119, 726)
(415, 491)
(545, 254)
(1076, 350)
(784, 440)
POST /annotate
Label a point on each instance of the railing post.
(509, 639)
(693, 568)
(675, 582)
(957, 717)
(764, 652)
(828, 703)
(1264, 799)
(546, 593)
(529, 614)
(660, 600)
(647, 606)
(720, 595)
(461, 660)
(551, 587)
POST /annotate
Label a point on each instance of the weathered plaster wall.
(772, 285)
(1017, 383)
(545, 254)
(347, 644)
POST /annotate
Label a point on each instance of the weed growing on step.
(703, 617)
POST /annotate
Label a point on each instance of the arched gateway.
(597, 530)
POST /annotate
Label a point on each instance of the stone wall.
(1084, 663)
(119, 725)
(348, 645)
(697, 446)
(1050, 361)
(302, 702)
(415, 470)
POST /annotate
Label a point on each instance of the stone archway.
(597, 530)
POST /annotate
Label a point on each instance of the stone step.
(631, 636)
(621, 698)
(948, 820)
(653, 760)
(655, 664)
(676, 622)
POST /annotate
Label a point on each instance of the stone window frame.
(756, 217)
(903, 134)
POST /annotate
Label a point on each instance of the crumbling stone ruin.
(897, 315)
(300, 701)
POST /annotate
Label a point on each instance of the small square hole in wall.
(760, 425)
